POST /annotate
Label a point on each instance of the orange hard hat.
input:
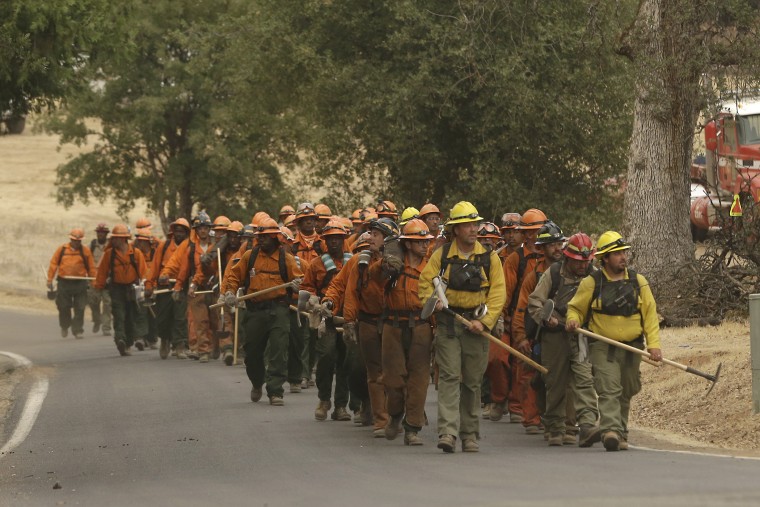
(488, 230)
(120, 231)
(259, 217)
(416, 229)
(182, 222)
(387, 209)
(322, 211)
(76, 234)
(334, 228)
(143, 234)
(289, 220)
(143, 223)
(356, 216)
(369, 216)
(268, 226)
(510, 221)
(287, 210)
(221, 222)
(305, 209)
(235, 227)
(287, 236)
(427, 209)
(362, 243)
(532, 219)
(347, 223)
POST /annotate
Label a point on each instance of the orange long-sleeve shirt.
(71, 263)
(511, 280)
(180, 266)
(164, 252)
(315, 276)
(404, 296)
(304, 246)
(200, 277)
(526, 288)
(368, 298)
(123, 271)
(267, 274)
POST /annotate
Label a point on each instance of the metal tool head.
(715, 378)
(480, 311)
(547, 310)
(429, 307)
(303, 299)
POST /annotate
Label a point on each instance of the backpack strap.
(251, 262)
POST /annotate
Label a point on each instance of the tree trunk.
(656, 205)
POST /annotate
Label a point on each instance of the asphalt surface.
(142, 431)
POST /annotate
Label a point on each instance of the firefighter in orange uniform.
(99, 301)
(74, 263)
(306, 237)
(267, 317)
(407, 340)
(121, 268)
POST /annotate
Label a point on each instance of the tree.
(507, 104)
(42, 48)
(683, 52)
(153, 125)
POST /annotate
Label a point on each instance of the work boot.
(393, 426)
(534, 429)
(163, 351)
(515, 418)
(179, 351)
(152, 345)
(486, 411)
(228, 357)
(203, 358)
(122, 347)
(106, 332)
(569, 438)
(256, 393)
(215, 353)
(295, 387)
(470, 445)
(412, 438)
(623, 444)
(378, 433)
(310, 383)
(611, 441)
(276, 401)
(447, 443)
(320, 414)
(95, 327)
(139, 345)
(64, 332)
(304, 383)
(78, 336)
(366, 413)
(497, 411)
(358, 418)
(341, 414)
(589, 435)
(192, 354)
(555, 439)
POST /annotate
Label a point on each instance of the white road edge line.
(695, 453)
(31, 409)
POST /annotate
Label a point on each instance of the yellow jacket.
(617, 327)
(492, 289)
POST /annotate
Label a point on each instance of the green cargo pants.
(331, 361)
(617, 380)
(267, 333)
(462, 358)
(559, 354)
(99, 301)
(128, 321)
(71, 297)
(171, 318)
(298, 364)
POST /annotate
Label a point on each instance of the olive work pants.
(462, 358)
(559, 354)
(617, 380)
(99, 301)
(171, 318)
(129, 323)
(370, 344)
(267, 333)
(406, 371)
(331, 361)
(71, 298)
(298, 363)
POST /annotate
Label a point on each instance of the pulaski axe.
(429, 308)
(687, 369)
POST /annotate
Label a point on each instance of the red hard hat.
(579, 247)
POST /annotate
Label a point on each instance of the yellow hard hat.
(463, 212)
(610, 241)
(408, 214)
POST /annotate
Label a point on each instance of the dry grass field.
(672, 409)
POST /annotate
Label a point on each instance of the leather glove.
(312, 303)
(176, 295)
(498, 328)
(392, 266)
(230, 299)
(349, 332)
(325, 309)
(296, 284)
(163, 280)
(208, 257)
(191, 291)
(50, 285)
(524, 347)
(148, 293)
(221, 300)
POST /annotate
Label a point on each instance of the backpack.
(480, 261)
(81, 252)
(282, 265)
(131, 261)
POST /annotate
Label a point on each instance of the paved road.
(141, 431)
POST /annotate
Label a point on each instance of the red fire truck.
(731, 166)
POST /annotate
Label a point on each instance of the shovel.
(429, 308)
(221, 334)
(687, 369)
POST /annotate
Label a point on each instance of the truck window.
(749, 129)
(729, 135)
